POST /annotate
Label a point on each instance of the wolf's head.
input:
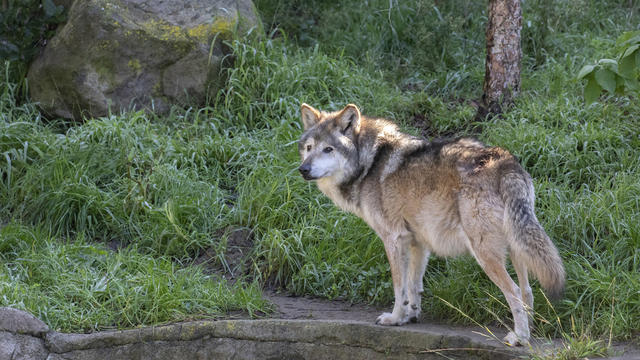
(327, 146)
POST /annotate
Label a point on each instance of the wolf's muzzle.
(305, 170)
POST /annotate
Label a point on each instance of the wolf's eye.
(308, 147)
(327, 150)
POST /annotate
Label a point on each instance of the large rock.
(20, 335)
(21, 347)
(277, 339)
(115, 54)
(21, 322)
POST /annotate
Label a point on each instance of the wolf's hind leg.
(523, 281)
(492, 263)
(418, 260)
(396, 247)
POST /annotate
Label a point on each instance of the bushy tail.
(527, 238)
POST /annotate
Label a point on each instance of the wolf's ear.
(310, 116)
(348, 120)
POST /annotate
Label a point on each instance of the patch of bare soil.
(303, 307)
(235, 260)
(310, 308)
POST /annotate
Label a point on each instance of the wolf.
(444, 197)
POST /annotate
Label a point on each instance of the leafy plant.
(618, 75)
(25, 26)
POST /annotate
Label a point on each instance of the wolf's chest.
(331, 190)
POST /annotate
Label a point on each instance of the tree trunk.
(502, 69)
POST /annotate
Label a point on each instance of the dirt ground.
(302, 307)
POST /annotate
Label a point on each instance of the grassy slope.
(180, 181)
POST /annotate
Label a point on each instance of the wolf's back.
(527, 239)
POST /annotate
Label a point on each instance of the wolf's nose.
(305, 169)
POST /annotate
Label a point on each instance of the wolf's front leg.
(396, 248)
(418, 260)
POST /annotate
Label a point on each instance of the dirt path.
(309, 308)
(302, 307)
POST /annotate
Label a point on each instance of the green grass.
(75, 285)
(167, 189)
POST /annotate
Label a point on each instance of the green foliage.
(629, 45)
(618, 75)
(25, 26)
(408, 39)
(576, 346)
(82, 287)
(552, 29)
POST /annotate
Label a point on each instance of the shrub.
(25, 26)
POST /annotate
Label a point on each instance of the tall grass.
(83, 286)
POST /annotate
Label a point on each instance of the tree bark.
(502, 68)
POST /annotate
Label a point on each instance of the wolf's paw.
(514, 340)
(413, 313)
(389, 319)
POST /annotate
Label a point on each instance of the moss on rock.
(123, 53)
